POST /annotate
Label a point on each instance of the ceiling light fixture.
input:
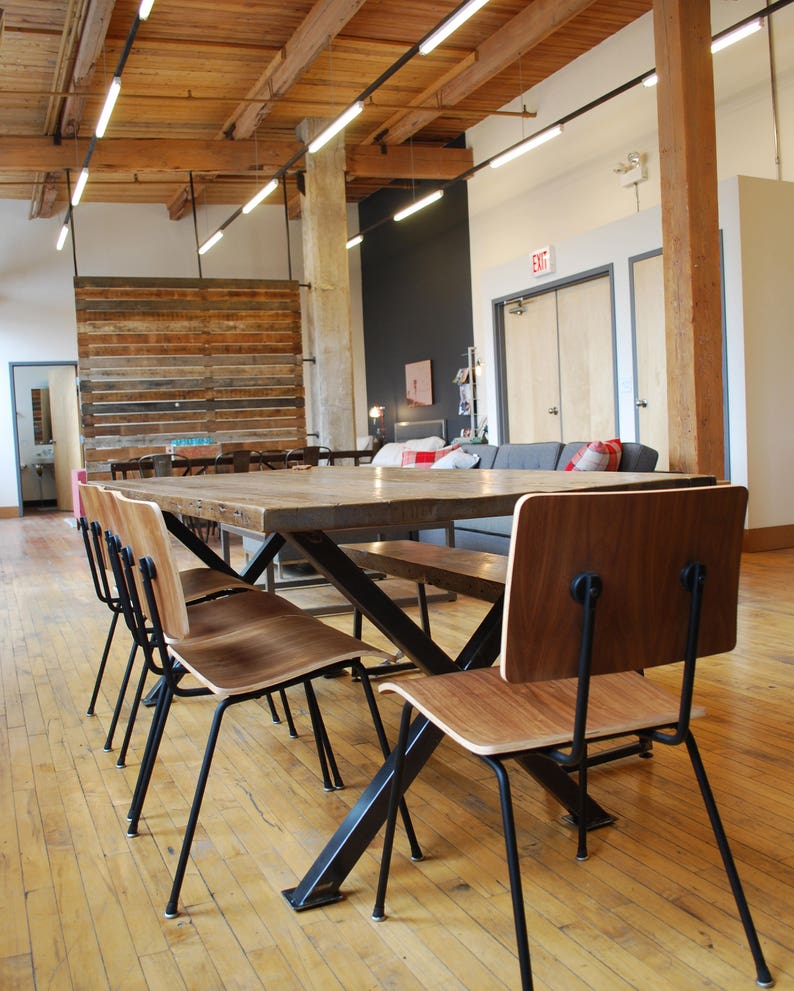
(210, 242)
(107, 110)
(731, 37)
(62, 235)
(720, 42)
(419, 205)
(524, 146)
(263, 193)
(354, 240)
(450, 25)
(145, 9)
(336, 126)
(79, 186)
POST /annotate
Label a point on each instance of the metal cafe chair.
(237, 649)
(310, 456)
(163, 465)
(602, 587)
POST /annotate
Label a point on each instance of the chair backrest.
(237, 461)
(148, 537)
(157, 465)
(311, 455)
(638, 543)
(100, 507)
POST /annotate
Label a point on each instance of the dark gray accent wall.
(416, 290)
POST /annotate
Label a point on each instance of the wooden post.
(690, 235)
(328, 331)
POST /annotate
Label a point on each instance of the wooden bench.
(476, 573)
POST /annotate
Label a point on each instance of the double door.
(558, 365)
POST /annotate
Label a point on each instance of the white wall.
(37, 317)
(566, 193)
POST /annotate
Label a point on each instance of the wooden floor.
(82, 906)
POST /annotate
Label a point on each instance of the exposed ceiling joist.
(323, 23)
(92, 42)
(227, 157)
(534, 24)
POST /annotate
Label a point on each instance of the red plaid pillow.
(598, 455)
(425, 459)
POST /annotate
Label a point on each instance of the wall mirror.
(42, 422)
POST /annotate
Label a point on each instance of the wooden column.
(328, 332)
(690, 234)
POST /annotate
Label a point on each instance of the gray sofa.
(493, 533)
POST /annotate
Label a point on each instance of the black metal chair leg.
(325, 752)
(102, 664)
(293, 733)
(514, 870)
(272, 706)
(121, 760)
(156, 730)
(380, 731)
(172, 908)
(378, 910)
(763, 976)
(120, 698)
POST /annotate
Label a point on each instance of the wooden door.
(532, 376)
(651, 356)
(587, 360)
(65, 413)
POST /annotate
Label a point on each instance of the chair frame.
(158, 648)
(587, 590)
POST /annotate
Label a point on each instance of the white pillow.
(457, 459)
(425, 444)
(390, 455)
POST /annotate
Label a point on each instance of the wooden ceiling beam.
(321, 25)
(537, 22)
(231, 157)
(44, 201)
(92, 42)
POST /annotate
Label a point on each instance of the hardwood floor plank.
(650, 908)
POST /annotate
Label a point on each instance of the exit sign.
(542, 260)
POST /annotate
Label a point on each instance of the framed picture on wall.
(419, 383)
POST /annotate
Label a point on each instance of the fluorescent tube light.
(210, 242)
(419, 205)
(336, 126)
(448, 27)
(263, 193)
(107, 110)
(64, 233)
(650, 80)
(733, 36)
(77, 192)
(525, 146)
(145, 9)
(354, 240)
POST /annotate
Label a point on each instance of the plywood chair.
(237, 649)
(198, 584)
(600, 588)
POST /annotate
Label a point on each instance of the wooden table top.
(333, 498)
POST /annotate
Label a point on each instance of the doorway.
(46, 433)
(556, 357)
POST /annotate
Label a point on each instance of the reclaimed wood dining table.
(304, 507)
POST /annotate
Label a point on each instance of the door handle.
(640, 403)
(554, 410)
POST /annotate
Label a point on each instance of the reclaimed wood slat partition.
(167, 359)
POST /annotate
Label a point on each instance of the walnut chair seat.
(601, 588)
